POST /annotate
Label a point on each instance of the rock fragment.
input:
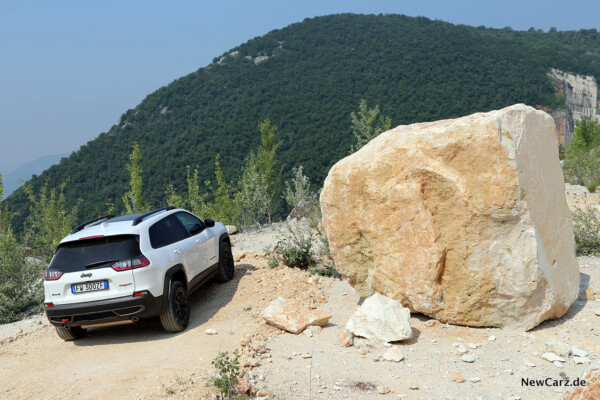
(381, 318)
(558, 348)
(393, 354)
(457, 377)
(282, 314)
(469, 358)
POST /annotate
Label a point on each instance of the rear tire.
(73, 333)
(226, 267)
(177, 315)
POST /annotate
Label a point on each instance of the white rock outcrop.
(381, 318)
(463, 220)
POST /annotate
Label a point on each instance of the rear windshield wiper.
(94, 264)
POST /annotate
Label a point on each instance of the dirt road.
(142, 362)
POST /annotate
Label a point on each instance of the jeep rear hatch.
(94, 268)
(96, 252)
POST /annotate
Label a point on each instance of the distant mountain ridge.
(27, 170)
(307, 78)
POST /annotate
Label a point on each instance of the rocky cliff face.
(581, 95)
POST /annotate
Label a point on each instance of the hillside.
(307, 78)
(27, 170)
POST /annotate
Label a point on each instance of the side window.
(165, 232)
(191, 223)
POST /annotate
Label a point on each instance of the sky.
(69, 69)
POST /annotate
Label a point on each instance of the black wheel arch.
(177, 273)
(224, 238)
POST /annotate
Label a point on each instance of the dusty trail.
(142, 362)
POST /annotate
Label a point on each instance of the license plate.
(89, 287)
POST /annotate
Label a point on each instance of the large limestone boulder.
(463, 220)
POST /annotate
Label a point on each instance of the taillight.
(49, 305)
(130, 264)
(138, 294)
(91, 237)
(51, 274)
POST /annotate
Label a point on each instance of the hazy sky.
(69, 69)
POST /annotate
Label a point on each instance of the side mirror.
(209, 223)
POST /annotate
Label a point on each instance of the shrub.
(586, 227)
(20, 286)
(294, 249)
(228, 370)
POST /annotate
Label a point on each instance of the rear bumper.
(105, 311)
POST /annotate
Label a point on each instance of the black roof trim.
(80, 227)
(149, 213)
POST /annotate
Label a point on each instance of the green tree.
(223, 206)
(582, 162)
(367, 124)
(48, 220)
(174, 199)
(252, 197)
(267, 163)
(134, 198)
(298, 190)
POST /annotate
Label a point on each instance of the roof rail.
(149, 213)
(80, 227)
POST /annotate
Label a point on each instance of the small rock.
(383, 389)
(336, 387)
(475, 379)
(469, 358)
(492, 338)
(387, 344)
(548, 356)
(243, 386)
(306, 355)
(249, 361)
(529, 364)
(346, 338)
(210, 332)
(558, 364)
(457, 377)
(462, 349)
(39, 322)
(413, 386)
(315, 329)
(577, 352)
(581, 360)
(597, 313)
(558, 348)
(18, 332)
(473, 346)
(393, 354)
(264, 394)
(308, 332)
(240, 257)
(431, 323)
(232, 230)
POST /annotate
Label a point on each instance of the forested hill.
(307, 78)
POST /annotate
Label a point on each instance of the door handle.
(177, 251)
(198, 241)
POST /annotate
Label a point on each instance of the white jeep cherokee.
(115, 269)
